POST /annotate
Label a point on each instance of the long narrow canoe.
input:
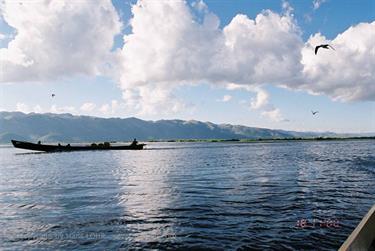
(68, 148)
(363, 236)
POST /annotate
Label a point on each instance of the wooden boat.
(363, 236)
(69, 148)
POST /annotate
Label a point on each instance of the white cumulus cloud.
(22, 107)
(186, 51)
(225, 98)
(112, 108)
(37, 109)
(57, 38)
(346, 73)
(317, 4)
(199, 5)
(261, 102)
(267, 50)
(274, 114)
(87, 107)
(2, 36)
(62, 109)
(169, 46)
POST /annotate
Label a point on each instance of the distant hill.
(51, 127)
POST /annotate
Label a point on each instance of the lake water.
(219, 196)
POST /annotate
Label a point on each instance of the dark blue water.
(219, 196)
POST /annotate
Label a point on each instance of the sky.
(239, 62)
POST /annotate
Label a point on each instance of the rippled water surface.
(219, 196)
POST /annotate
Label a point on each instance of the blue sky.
(134, 85)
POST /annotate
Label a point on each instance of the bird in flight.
(53, 95)
(313, 113)
(324, 46)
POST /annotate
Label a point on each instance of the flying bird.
(324, 46)
(313, 113)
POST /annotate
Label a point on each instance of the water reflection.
(218, 196)
(145, 191)
(57, 198)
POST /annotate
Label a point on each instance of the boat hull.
(68, 148)
(363, 236)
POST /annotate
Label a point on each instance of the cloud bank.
(169, 47)
(348, 72)
(173, 44)
(57, 39)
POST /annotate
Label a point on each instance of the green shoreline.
(266, 139)
(263, 140)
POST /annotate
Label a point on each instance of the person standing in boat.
(134, 143)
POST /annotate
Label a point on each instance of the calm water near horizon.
(219, 196)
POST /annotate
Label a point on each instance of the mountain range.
(49, 127)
